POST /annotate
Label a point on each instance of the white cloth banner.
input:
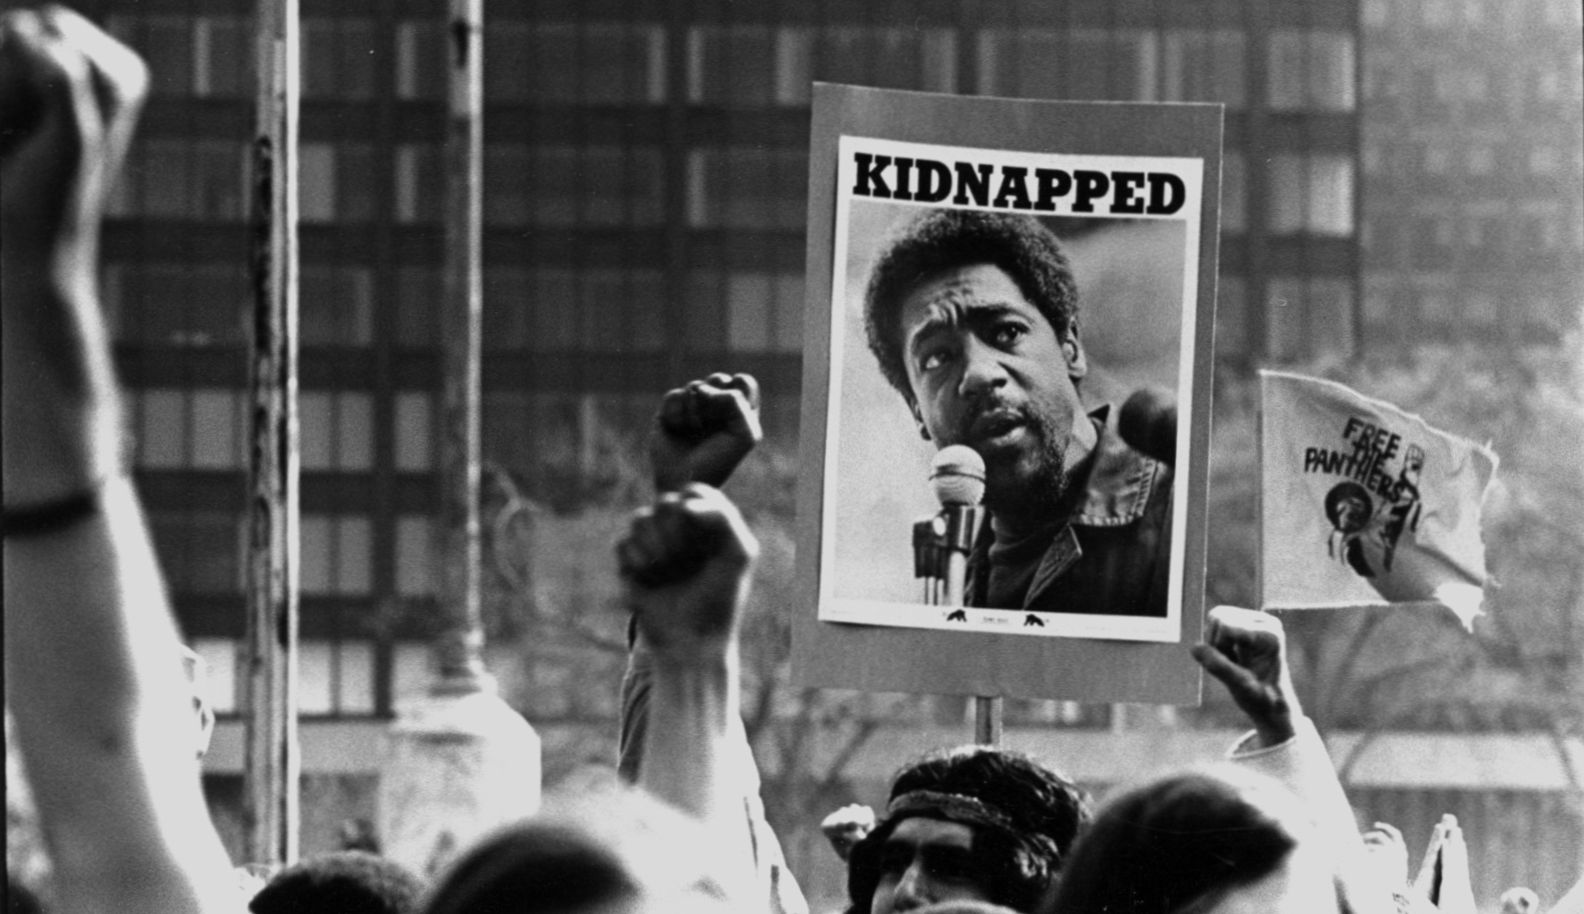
(1364, 504)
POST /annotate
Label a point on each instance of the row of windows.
(1475, 14)
(1465, 244)
(525, 310)
(333, 677)
(1301, 316)
(737, 187)
(206, 429)
(204, 553)
(1438, 156)
(1502, 83)
(626, 63)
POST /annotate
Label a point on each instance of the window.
(565, 185)
(219, 429)
(418, 293)
(747, 187)
(336, 305)
(733, 65)
(203, 428)
(221, 670)
(764, 312)
(337, 430)
(1309, 316)
(552, 310)
(335, 555)
(412, 672)
(1312, 194)
(1044, 63)
(1205, 66)
(182, 179)
(1311, 70)
(415, 431)
(162, 429)
(1481, 159)
(163, 304)
(166, 45)
(1284, 325)
(891, 58)
(1544, 160)
(420, 59)
(338, 58)
(417, 571)
(223, 57)
(335, 183)
(418, 183)
(200, 552)
(335, 677)
(574, 63)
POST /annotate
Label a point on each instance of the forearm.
(103, 716)
(61, 408)
(1304, 765)
(686, 753)
(690, 759)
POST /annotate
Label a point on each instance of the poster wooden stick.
(987, 720)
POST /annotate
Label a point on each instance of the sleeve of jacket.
(1303, 764)
(782, 893)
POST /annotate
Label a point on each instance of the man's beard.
(1029, 481)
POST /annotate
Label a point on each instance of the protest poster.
(1100, 508)
(1364, 504)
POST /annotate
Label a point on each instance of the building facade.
(1473, 226)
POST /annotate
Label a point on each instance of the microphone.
(957, 476)
(1148, 423)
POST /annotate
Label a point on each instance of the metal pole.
(273, 762)
(460, 649)
(987, 720)
(461, 760)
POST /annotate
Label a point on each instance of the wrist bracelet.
(51, 516)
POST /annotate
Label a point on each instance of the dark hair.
(1183, 840)
(946, 239)
(534, 867)
(345, 882)
(1016, 861)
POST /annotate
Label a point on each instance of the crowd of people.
(115, 779)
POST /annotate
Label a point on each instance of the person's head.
(1348, 507)
(1203, 842)
(345, 882)
(606, 853)
(973, 317)
(969, 824)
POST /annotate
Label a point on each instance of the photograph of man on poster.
(973, 318)
(1032, 315)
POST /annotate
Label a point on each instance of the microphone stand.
(940, 558)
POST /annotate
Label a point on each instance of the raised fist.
(1247, 650)
(703, 430)
(686, 562)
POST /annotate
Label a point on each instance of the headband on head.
(955, 807)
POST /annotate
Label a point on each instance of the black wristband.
(51, 516)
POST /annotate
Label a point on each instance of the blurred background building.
(1396, 171)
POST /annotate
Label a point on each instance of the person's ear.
(1073, 352)
(918, 419)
